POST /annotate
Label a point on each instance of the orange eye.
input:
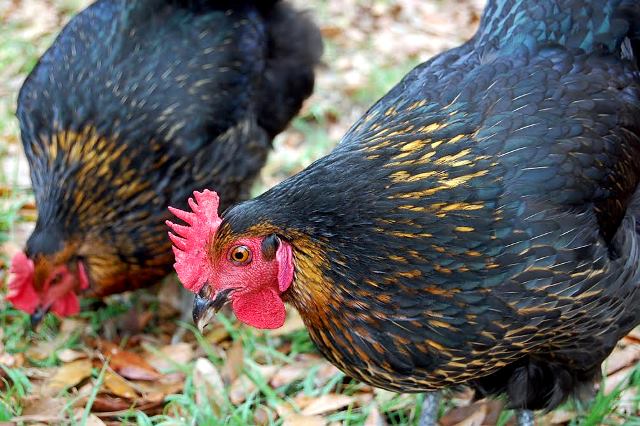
(240, 255)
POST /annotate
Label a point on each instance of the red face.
(251, 272)
(253, 280)
(56, 293)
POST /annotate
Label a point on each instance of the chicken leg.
(525, 418)
(430, 406)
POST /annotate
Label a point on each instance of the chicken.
(478, 226)
(134, 106)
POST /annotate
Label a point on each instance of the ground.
(70, 372)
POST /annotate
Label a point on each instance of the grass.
(197, 404)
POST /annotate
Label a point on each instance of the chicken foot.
(430, 406)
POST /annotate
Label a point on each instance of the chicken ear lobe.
(284, 259)
(260, 309)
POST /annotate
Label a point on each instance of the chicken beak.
(204, 309)
(38, 315)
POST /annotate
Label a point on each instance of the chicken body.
(135, 105)
(479, 224)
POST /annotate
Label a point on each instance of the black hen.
(477, 226)
(135, 105)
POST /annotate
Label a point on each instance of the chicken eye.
(240, 255)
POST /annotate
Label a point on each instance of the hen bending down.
(134, 106)
(477, 226)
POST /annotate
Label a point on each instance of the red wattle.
(260, 309)
(66, 305)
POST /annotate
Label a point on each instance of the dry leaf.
(42, 409)
(180, 353)
(118, 386)
(234, 363)
(628, 401)
(68, 355)
(326, 404)
(476, 418)
(375, 418)
(261, 416)
(481, 412)
(325, 373)
(70, 375)
(301, 420)
(110, 403)
(614, 380)
(558, 417)
(94, 420)
(156, 391)
(293, 323)
(634, 335)
(289, 374)
(240, 388)
(128, 364)
(217, 334)
(9, 249)
(621, 358)
(291, 418)
(208, 383)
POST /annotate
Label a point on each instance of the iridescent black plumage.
(478, 225)
(138, 103)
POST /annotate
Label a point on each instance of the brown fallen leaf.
(43, 349)
(302, 420)
(325, 373)
(468, 414)
(234, 363)
(326, 404)
(208, 383)
(628, 401)
(240, 388)
(633, 336)
(289, 374)
(291, 418)
(261, 416)
(476, 418)
(128, 364)
(42, 409)
(293, 323)
(68, 355)
(217, 334)
(557, 417)
(118, 386)
(617, 378)
(104, 403)
(156, 391)
(621, 358)
(94, 420)
(166, 358)
(375, 418)
(70, 375)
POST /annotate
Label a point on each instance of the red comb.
(190, 242)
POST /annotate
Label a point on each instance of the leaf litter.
(370, 46)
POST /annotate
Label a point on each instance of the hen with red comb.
(134, 106)
(477, 226)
